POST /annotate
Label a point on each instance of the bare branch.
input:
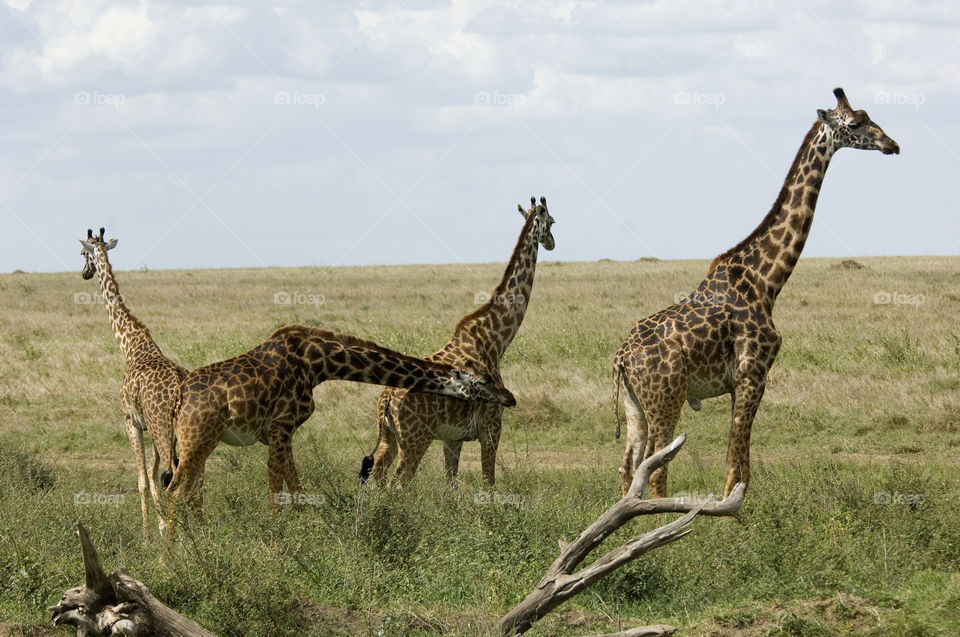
(116, 604)
(560, 582)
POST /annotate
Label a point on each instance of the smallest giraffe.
(150, 380)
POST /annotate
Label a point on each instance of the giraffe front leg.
(489, 441)
(451, 461)
(746, 401)
(281, 468)
(136, 441)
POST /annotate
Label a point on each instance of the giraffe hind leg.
(387, 444)
(636, 438)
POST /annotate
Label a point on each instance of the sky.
(301, 133)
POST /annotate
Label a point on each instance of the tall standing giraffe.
(150, 379)
(266, 393)
(408, 423)
(722, 339)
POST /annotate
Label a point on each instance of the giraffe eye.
(854, 125)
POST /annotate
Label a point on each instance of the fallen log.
(116, 604)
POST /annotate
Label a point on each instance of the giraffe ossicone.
(722, 339)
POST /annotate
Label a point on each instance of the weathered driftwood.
(116, 604)
(560, 583)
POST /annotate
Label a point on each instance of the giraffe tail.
(366, 466)
(167, 476)
(617, 378)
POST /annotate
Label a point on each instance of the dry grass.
(857, 383)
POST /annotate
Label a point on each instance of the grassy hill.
(863, 403)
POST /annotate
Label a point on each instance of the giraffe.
(266, 393)
(722, 339)
(408, 423)
(150, 379)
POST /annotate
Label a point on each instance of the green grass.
(863, 404)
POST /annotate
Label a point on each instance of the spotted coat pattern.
(722, 339)
(408, 423)
(266, 393)
(150, 379)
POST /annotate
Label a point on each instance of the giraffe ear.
(825, 117)
(523, 213)
(110, 245)
(87, 247)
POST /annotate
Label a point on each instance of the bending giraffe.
(150, 379)
(722, 339)
(408, 423)
(266, 393)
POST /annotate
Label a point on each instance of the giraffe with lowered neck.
(267, 393)
(721, 339)
(408, 423)
(150, 379)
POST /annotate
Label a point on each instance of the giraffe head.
(89, 249)
(855, 129)
(542, 221)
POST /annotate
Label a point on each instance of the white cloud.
(459, 100)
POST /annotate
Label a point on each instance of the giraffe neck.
(132, 336)
(331, 356)
(766, 258)
(489, 331)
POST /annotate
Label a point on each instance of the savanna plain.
(851, 524)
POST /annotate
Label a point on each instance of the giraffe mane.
(345, 339)
(135, 322)
(498, 291)
(777, 205)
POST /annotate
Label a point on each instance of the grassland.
(864, 400)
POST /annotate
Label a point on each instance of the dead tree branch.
(116, 604)
(560, 582)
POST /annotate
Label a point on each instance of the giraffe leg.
(387, 445)
(155, 489)
(411, 453)
(662, 413)
(451, 460)
(636, 439)
(136, 441)
(746, 401)
(280, 465)
(489, 442)
(186, 487)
